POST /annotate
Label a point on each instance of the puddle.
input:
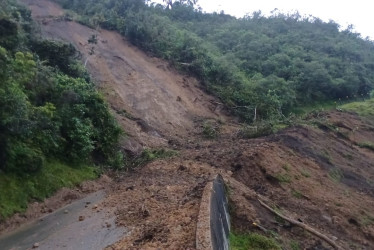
(63, 230)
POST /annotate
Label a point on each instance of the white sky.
(360, 13)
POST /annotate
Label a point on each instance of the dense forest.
(273, 64)
(49, 108)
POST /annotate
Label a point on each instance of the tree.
(170, 3)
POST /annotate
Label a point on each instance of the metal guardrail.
(213, 225)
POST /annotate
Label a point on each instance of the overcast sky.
(360, 13)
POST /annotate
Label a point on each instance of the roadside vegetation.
(252, 241)
(54, 125)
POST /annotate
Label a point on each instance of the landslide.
(315, 172)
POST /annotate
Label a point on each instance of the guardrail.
(213, 225)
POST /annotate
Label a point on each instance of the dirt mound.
(307, 172)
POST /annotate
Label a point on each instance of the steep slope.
(160, 102)
(314, 172)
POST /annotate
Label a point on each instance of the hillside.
(318, 169)
(269, 64)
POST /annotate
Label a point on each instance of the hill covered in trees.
(273, 64)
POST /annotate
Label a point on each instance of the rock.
(81, 218)
(94, 207)
(327, 218)
(50, 210)
(182, 168)
(66, 211)
(36, 245)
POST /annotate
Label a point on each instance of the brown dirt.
(316, 173)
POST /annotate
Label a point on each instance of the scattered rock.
(81, 218)
(66, 211)
(36, 245)
(327, 218)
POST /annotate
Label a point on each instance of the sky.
(360, 13)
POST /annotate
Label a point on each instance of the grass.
(283, 178)
(294, 245)
(16, 192)
(336, 174)
(252, 241)
(364, 108)
(286, 167)
(151, 155)
(367, 220)
(297, 194)
(366, 144)
(305, 173)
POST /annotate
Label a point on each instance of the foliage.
(60, 55)
(368, 145)
(252, 241)
(364, 108)
(210, 130)
(48, 110)
(269, 64)
(283, 178)
(336, 174)
(16, 192)
(151, 155)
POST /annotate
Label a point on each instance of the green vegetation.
(294, 245)
(151, 155)
(297, 194)
(305, 173)
(50, 109)
(283, 178)
(252, 241)
(16, 191)
(51, 116)
(336, 174)
(366, 219)
(260, 67)
(210, 130)
(286, 167)
(368, 145)
(364, 108)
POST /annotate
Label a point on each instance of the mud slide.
(162, 103)
(315, 173)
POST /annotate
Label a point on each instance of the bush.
(23, 158)
(210, 130)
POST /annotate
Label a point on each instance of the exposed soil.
(316, 173)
